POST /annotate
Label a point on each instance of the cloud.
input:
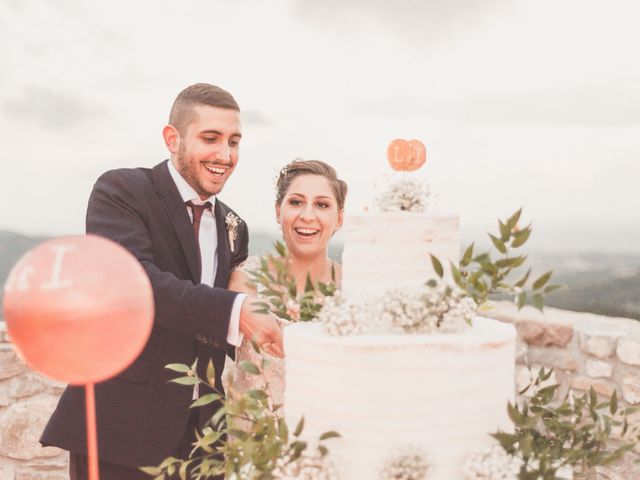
(415, 20)
(566, 106)
(254, 117)
(48, 109)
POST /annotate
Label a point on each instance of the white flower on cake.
(496, 464)
(308, 466)
(435, 308)
(407, 463)
(404, 195)
(491, 464)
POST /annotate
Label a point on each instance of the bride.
(309, 208)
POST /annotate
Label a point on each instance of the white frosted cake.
(443, 393)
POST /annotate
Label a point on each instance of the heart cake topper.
(406, 156)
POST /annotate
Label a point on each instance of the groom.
(188, 242)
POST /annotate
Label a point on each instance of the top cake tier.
(391, 250)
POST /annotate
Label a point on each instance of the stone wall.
(26, 402)
(584, 349)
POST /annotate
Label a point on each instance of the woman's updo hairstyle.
(310, 167)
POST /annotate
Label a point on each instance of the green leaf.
(455, 273)
(328, 435)
(151, 470)
(249, 367)
(205, 400)
(593, 397)
(538, 301)
(257, 394)
(280, 248)
(467, 256)
(499, 244)
(613, 404)
(553, 288)
(308, 286)
(505, 231)
(437, 266)
(542, 280)
(506, 440)
(431, 283)
(513, 262)
(178, 367)
(299, 427)
(211, 374)
(185, 380)
(521, 300)
(513, 219)
(283, 431)
(521, 237)
(520, 283)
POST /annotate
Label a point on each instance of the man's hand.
(261, 328)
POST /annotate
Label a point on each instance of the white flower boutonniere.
(232, 221)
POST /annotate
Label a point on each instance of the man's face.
(209, 149)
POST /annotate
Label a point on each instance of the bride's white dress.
(271, 378)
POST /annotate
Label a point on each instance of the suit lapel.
(177, 213)
(224, 254)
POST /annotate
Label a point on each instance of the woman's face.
(309, 216)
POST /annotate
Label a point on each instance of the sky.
(520, 103)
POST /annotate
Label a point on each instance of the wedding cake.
(439, 393)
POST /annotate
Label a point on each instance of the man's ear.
(171, 138)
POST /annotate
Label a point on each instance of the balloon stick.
(92, 437)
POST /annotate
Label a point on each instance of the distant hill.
(598, 283)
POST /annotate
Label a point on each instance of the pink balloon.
(79, 309)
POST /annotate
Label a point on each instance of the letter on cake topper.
(406, 156)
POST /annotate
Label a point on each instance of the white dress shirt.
(208, 240)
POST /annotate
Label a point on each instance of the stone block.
(601, 387)
(26, 385)
(21, 425)
(629, 351)
(29, 473)
(11, 364)
(631, 388)
(599, 369)
(7, 472)
(4, 335)
(545, 334)
(559, 359)
(600, 346)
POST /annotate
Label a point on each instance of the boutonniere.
(232, 221)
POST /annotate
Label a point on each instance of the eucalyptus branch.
(281, 291)
(481, 275)
(577, 433)
(253, 451)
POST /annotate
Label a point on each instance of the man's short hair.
(182, 111)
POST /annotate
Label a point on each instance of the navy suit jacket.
(141, 418)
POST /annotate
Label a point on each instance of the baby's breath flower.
(427, 310)
(407, 463)
(491, 464)
(404, 195)
(308, 466)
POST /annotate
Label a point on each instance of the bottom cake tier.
(442, 393)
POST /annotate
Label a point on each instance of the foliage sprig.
(281, 291)
(576, 433)
(246, 438)
(481, 274)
